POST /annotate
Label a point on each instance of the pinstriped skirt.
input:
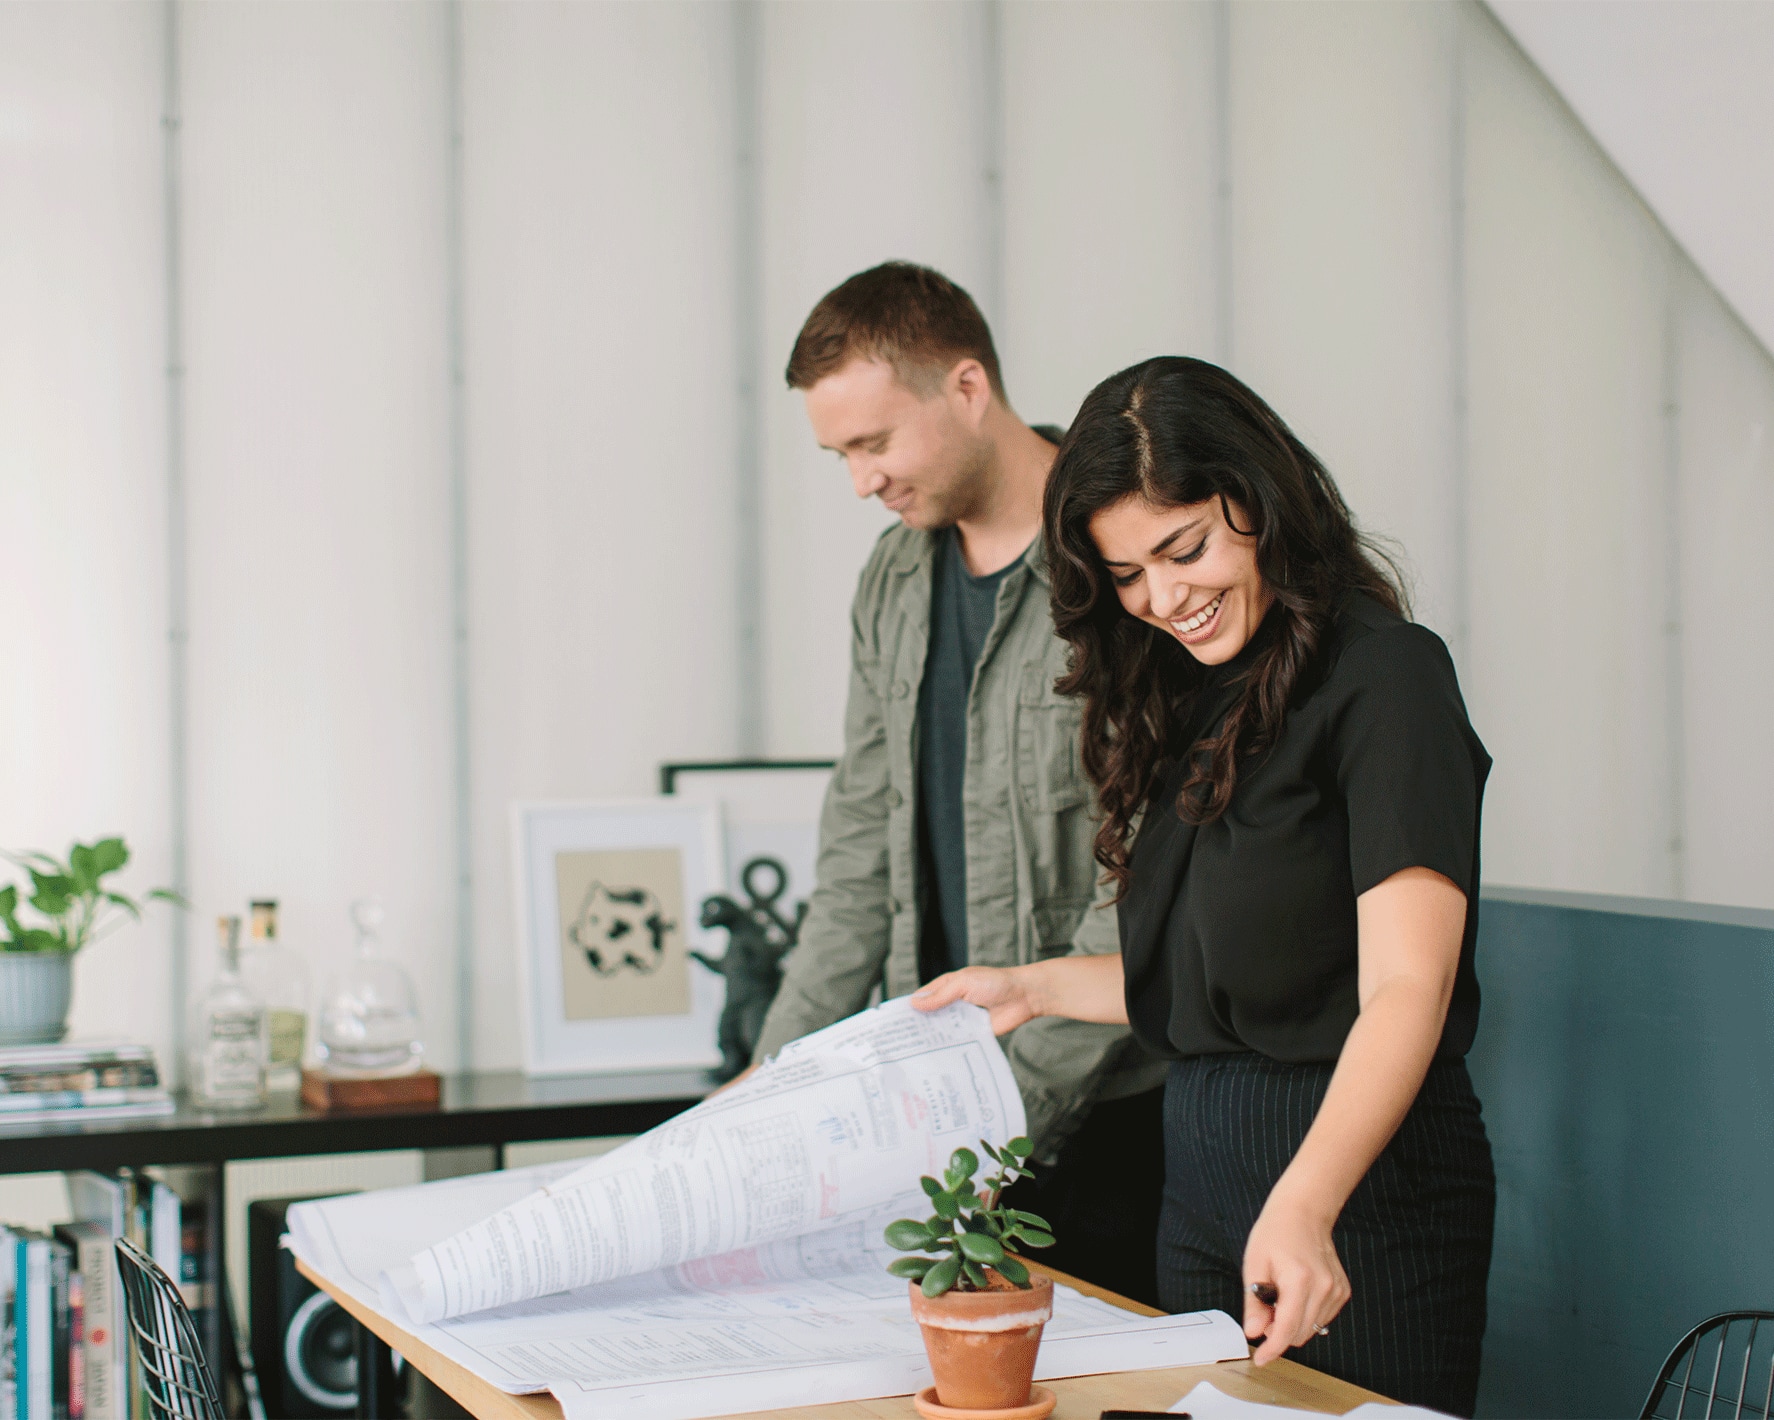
(1415, 1237)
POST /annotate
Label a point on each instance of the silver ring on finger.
(1322, 1330)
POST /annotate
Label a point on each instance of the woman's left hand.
(1290, 1249)
(1002, 990)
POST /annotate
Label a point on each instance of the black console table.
(488, 1109)
(477, 1110)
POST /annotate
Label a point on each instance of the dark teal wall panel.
(1625, 1059)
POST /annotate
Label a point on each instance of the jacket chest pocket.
(1049, 768)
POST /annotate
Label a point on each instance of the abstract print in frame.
(608, 901)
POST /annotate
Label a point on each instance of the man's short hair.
(910, 317)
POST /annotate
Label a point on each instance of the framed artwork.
(767, 806)
(608, 899)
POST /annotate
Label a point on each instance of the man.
(958, 826)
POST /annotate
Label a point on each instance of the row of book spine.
(65, 1351)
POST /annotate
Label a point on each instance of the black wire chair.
(1713, 1373)
(174, 1373)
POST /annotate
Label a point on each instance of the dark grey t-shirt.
(962, 607)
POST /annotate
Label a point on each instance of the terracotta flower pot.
(982, 1345)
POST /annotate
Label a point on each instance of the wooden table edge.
(1278, 1383)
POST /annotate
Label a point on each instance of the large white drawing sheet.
(803, 1321)
(839, 1123)
(731, 1259)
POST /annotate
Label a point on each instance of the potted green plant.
(980, 1308)
(75, 907)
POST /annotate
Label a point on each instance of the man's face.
(922, 455)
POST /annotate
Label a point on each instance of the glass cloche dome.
(369, 1013)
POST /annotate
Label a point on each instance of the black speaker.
(304, 1343)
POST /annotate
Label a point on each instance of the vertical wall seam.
(1222, 228)
(462, 784)
(748, 329)
(992, 98)
(178, 624)
(1675, 728)
(1460, 369)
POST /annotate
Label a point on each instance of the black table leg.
(376, 1398)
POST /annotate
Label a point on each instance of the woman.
(1290, 792)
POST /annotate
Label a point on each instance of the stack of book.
(101, 1080)
(65, 1352)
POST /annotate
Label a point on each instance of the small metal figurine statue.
(758, 936)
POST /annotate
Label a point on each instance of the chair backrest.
(178, 1381)
(1723, 1367)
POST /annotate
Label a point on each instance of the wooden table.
(1080, 1398)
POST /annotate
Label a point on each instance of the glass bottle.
(228, 1034)
(369, 1014)
(280, 978)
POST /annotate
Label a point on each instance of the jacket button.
(894, 798)
(901, 690)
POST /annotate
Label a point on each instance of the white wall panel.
(1567, 284)
(602, 419)
(604, 252)
(83, 693)
(1342, 269)
(874, 145)
(1109, 150)
(314, 206)
(1726, 401)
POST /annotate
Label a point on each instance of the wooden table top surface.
(1080, 1398)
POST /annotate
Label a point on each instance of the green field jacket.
(1031, 880)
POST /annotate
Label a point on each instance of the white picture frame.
(608, 985)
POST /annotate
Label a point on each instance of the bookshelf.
(488, 1110)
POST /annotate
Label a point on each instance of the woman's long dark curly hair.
(1175, 431)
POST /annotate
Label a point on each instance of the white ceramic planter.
(35, 991)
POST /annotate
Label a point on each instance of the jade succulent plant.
(971, 1228)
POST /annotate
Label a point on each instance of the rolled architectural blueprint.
(838, 1124)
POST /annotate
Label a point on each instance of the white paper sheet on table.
(1207, 1402)
(773, 1318)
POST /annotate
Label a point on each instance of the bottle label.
(233, 1065)
(288, 1031)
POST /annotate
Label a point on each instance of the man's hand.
(744, 1074)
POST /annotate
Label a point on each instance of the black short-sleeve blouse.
(1241, 934)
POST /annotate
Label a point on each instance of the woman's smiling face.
(1187, 571)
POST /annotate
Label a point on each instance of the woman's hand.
(1005, 991)
(1290, 1249)
(1081, 988)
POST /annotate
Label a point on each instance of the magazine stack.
(103, 1080)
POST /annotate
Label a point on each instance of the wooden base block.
(420, 1090)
